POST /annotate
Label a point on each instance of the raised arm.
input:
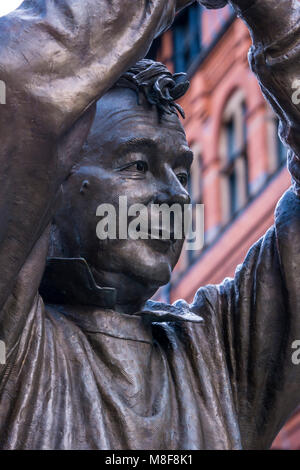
(57, 57)
(252, 326)
(256, 313)
(275, 59)
(64, 54)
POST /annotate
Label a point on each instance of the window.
(193, 32)
(281, 148)
(277, 151)
(213, 22)
(195, 191)
(233, 154)
(187, 37)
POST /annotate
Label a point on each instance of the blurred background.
(239, 170)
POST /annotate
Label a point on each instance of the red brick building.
(239, 170)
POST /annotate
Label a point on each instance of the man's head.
(136, 148)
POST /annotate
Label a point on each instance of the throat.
(132, 293)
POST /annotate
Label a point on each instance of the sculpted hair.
(159, 86)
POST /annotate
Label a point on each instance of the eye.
(140, 166)
(183, 178)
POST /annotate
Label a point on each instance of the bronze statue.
(91, 363)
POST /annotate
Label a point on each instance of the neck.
(131, 293)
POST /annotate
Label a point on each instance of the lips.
(160, 234)
(159, 223)
(161, 245)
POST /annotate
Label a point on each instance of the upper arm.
(59, 56)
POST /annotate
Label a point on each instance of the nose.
(170, 191)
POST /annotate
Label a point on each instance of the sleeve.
(57, 57)
(62, 55)
(257, 317)
(275, 59)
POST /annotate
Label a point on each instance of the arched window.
(233, 156)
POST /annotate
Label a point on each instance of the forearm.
(65, 54)
(275, 57)
(268, 20)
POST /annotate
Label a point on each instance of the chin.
(156, 274)
(148, 266)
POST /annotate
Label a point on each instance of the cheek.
(109, 191)
(91, 198)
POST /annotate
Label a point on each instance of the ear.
(84, 186)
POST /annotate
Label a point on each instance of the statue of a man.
(90, 363)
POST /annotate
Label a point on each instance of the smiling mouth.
(159, 234)
(161, 240)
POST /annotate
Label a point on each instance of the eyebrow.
(184, 156)
(135, 144)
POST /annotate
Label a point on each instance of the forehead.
(120, 118)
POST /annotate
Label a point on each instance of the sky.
(8, 5)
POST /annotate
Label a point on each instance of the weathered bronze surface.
(91, 362)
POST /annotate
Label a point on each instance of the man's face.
(130, 152)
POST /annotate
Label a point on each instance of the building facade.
(239, 170)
